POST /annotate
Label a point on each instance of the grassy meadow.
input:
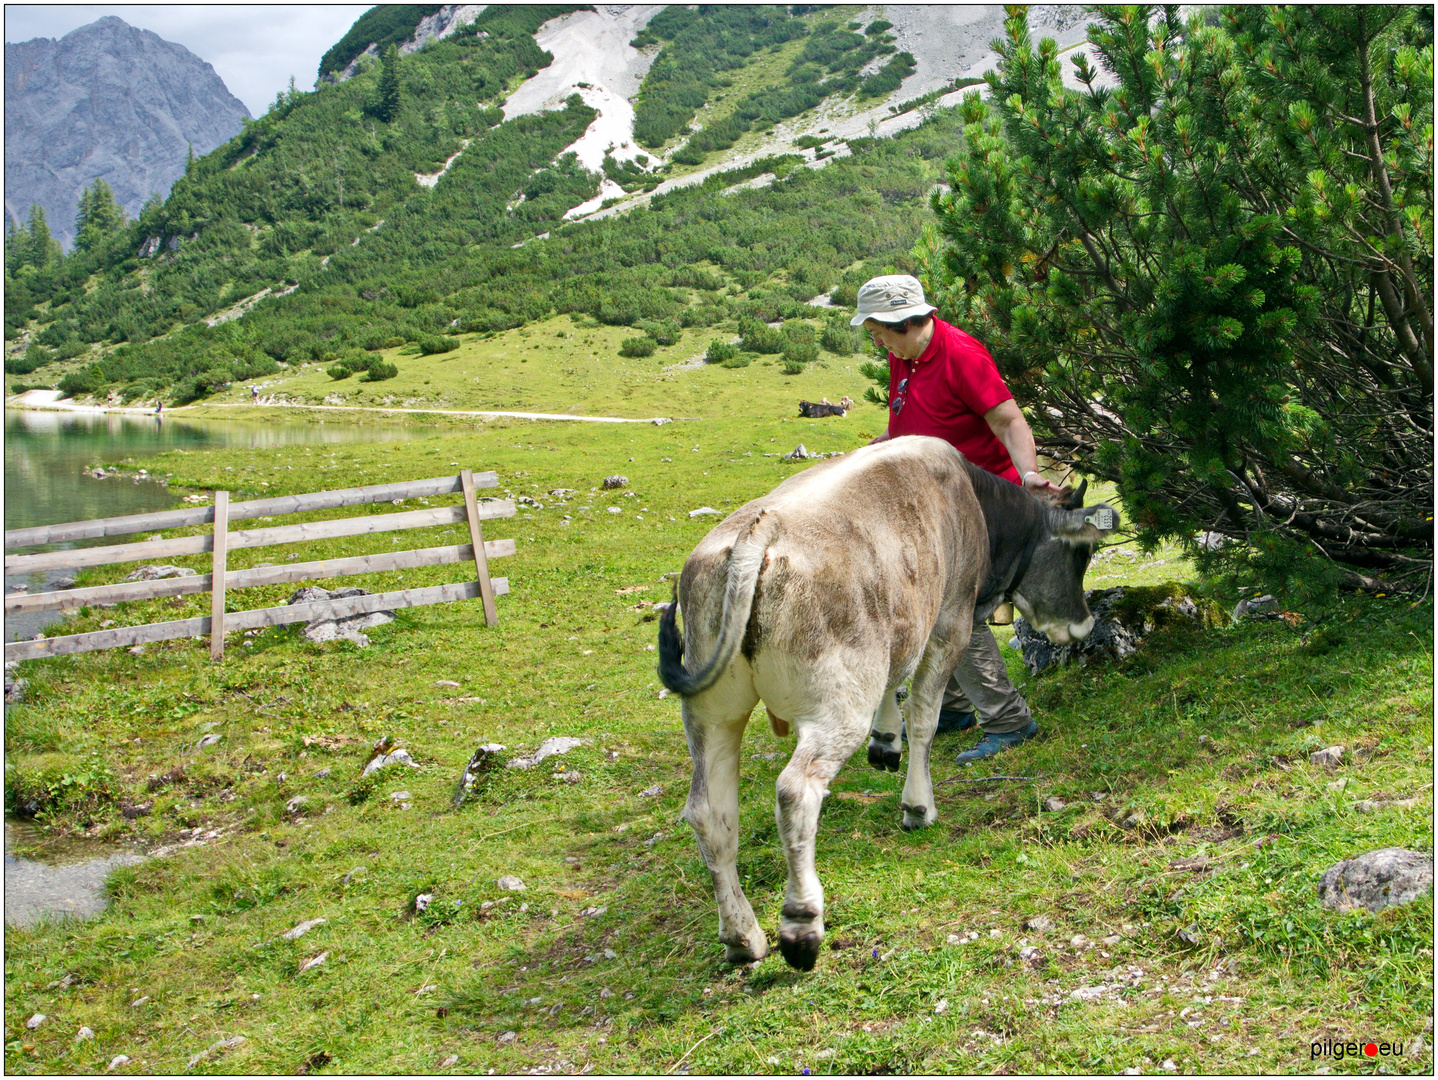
(570, 364)
(1191, 940)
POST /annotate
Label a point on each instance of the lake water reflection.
(48, 454)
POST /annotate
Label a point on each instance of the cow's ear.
(1088, 525)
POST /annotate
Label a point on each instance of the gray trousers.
(980, 684)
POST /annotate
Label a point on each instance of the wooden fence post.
(476, 538)
(217, 576)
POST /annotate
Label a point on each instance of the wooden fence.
(221, 541)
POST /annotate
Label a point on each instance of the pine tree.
(387, 98)
(40, 248)
(1213, 282)
(99, 216)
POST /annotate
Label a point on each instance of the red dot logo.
(1371, 1049)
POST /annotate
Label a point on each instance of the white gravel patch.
(592, 47)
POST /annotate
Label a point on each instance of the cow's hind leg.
(922, 717)
(824, 745)
(884, 752)
(715, 729)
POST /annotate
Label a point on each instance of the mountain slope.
(325, 234)
(111, 102)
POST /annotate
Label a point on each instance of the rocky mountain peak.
(107, 101)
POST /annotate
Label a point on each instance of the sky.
(253, 48)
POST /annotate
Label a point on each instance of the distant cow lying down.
(821, 599)
(812, 410)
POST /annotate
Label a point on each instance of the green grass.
(565, 364)
(1207, 734)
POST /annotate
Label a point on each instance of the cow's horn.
(1078, 495)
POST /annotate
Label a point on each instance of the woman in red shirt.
(944, 383)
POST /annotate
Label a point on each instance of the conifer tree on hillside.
(99, 216)
(38, 248)
(387, 98)
(1213, 283)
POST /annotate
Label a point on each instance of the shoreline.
(56, 404)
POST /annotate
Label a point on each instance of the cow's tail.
(746, 559)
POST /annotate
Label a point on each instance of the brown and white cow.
(822, 598)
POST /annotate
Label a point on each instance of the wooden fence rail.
(221, 541)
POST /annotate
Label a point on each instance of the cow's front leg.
(922, 717)
(713, 813)
(823, 747)
(884, 736)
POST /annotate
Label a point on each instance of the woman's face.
(887, 338)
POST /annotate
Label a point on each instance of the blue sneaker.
(994, 743)
(949, 721)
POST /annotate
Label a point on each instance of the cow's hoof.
(882, 753)
(917, 817)
(801, 951)
(746, 952)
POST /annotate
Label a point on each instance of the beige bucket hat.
(891, 298)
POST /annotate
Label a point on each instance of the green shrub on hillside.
(759, 337)
(637, 346)
(431, 344)
(379, 370)
(839, 338)
(720, 352)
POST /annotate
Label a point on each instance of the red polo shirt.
(950, 387)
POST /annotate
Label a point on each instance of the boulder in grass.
(612, 482)
(154, 573)
(1376, 880)
(349, 627)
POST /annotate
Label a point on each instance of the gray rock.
(1053, 804)
(302, 929)
(1039, 924)
(349, 627)
(1366, 806)
(297, 804)
(111, 101)
(511, 883)
(155, 573)
(1376, 880)
(559, 744)
(215, 1048)
(1256, 607)
(483, 759)
(398, 756)
(84, 1035)
(799, 453)
(35, 1021)
(1329, 757)
(703, 511)
(63, 583)
(15, 690)
(422, 901)
(651, 792)
(117, 1061)
(612, 482)
(208, 741)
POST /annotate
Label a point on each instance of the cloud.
(255, 49)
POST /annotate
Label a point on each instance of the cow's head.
(1050, 593)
